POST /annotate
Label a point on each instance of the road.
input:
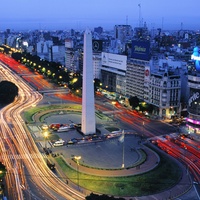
(130, 119)
(20, 153)
(16, 142)
(183, 148)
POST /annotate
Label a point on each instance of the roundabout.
(102, 160)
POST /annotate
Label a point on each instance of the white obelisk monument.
(88, 124)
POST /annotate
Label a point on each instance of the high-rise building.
(98, 30)
(194, 97)
(135, 76)
(123, 32)
(137, 66)
(88, 122)
(165, 92)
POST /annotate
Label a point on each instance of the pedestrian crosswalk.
(22, 156)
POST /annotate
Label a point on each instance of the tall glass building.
(194, 94)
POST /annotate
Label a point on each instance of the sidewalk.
(175, 192)
(151, 162)
(184, 185)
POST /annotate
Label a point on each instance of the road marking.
(22, 156)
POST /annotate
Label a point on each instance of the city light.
(77, 158)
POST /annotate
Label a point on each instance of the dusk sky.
(81, 14)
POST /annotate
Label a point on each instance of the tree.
(97, 84)
(150, 108)
(142, 108)
(8, 92)
(2, 170)
(93, 196)
(134, 102)
(17, 56)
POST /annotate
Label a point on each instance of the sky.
(82, 14)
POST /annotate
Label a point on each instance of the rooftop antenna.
(127, 20)
(162, 22)
(139, 5)
(181, 25)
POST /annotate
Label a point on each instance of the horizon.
(79, 15)
(105, 28)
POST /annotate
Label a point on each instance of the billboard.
(69, 43)
(195, 97)
(97, 46)
(114, 60)
(196, 57)
(140, 50)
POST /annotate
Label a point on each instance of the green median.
(163, 177)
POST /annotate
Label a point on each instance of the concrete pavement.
(152, 160)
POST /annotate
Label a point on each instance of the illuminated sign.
(114, 60)
(194, 97)
(97, 45)
(146, 72)
(196, 57)
(193, 121)
(140, 50)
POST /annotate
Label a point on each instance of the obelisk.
(88, 122)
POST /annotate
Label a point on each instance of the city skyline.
(77, 14)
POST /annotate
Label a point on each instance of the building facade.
(97, 65)
(113, 72)
(165, 93)
(193, 118)
(135, 78)
(193, 108)
(123, 32)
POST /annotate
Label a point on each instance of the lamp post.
(142, 129)
(113, 103)
(77, 158)
(45, 136)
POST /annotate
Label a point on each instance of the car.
(59, 143)
(74, 140)
(70, 142)
(44, 127)
(55, 126)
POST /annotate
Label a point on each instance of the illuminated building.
(157, 83)
(137, 66)
(135, 76)
(71, 56)
(113, 72)
(165, 92)
(194, 99)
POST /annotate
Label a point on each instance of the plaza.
(104, 154)
(102, 158)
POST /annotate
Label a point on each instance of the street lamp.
(142, 129)
(46, 136)
(77, 158)
(113, 103)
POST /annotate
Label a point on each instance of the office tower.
(88, 125)
(193, 108)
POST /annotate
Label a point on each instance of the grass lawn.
(28, 114)
(110, 129)
(164, 176)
